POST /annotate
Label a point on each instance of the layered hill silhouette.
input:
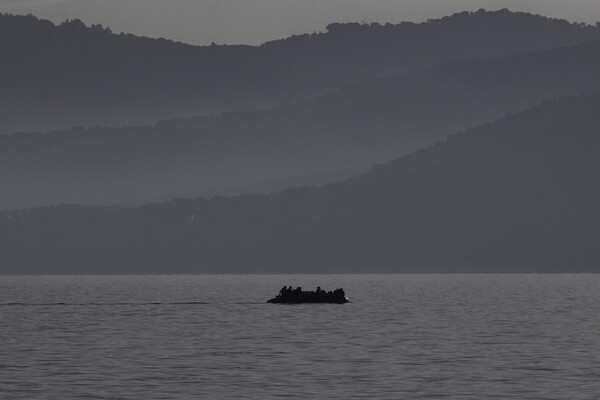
(320, 140)
(58, 76)
(520, 194)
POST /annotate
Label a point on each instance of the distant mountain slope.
(354, 128)
(521, 194)
(68, 75)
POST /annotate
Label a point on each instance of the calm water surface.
(213, 337)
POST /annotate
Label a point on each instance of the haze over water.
(403, 336)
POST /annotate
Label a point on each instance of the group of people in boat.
(288, 294)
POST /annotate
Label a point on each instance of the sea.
(215, 337)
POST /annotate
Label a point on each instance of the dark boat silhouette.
(287, 295)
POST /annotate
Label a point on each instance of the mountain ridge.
(68, 75)
(351, 129)
(520, 194)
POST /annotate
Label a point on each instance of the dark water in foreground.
(402, 337)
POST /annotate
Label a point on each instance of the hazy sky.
(255, 21)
